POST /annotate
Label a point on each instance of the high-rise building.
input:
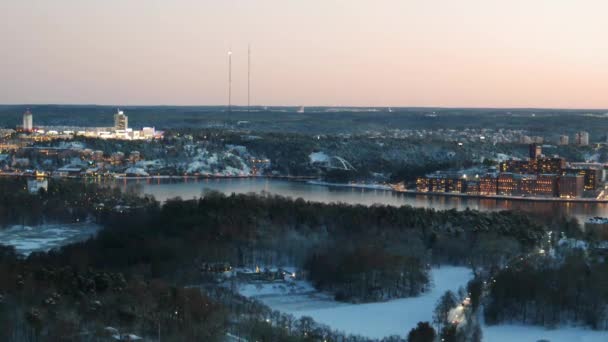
(535, 151)
(28, 121)
(582, 138)
(563, 140)
(121, 121)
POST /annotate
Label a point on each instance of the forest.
(548, 291)
(132, 274)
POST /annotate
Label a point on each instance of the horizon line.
(306, 106)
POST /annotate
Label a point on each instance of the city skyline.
(524, 54)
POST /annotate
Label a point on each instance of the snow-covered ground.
(520, 333)
(318, 157)
(374, 320)
(45, 237)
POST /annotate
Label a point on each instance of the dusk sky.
(452, 53)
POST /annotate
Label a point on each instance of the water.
(193, 188)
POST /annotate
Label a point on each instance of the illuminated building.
(570, 186)
(515, 166)
(508, 184)
(527, 185)
(591, 176)
(550, 165)
(564, 140)
(456, 185)
(437, 184)
(121, 121)
(545, 185)
(423, 184)
(488, 185)
(28, 121)
(472, 187)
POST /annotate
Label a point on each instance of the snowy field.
(509, 333)
(374, 320)
(45, 237)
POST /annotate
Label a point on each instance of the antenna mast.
(248, 77)
(230, 80)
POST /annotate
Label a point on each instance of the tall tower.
(230, 80)
(28, 121)
(248, 77)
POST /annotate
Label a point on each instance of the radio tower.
(230, 80)
(248, 77)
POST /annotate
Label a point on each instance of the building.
(535, 151)
(456, 185)
(598, 227)
(591, 176)
(515, 166)
(527, 185)
(28, 121)
(121, 121)
(437, 184)
(472, 187)
(570, 186)
(508, 184)
(549, 165)
(581, 138)
(488, 185)
(423, 184)
(564, 140)
(546, 186)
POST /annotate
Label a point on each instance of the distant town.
(120, 130)
(539, 176)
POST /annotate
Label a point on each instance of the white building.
(121, 121)
(28, 121)
(582, 138)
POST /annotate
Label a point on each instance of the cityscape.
(303, 171)
(538, 177)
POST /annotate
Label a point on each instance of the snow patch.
(374, 320)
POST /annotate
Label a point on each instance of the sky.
(448, 53)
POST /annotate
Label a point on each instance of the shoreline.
(504, 197)
(315, 182)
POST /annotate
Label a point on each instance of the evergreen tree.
(446, 303)
(423, 332)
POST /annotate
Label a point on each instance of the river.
(162, 189)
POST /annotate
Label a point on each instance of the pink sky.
(453, 53)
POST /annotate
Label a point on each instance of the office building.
(121, 121)
(591, 176)
(488, 185)
(515, 166)
(550, 165)
(546, 186)
(28, 121)
(564, 140)
(508, 184)
(570, 186)
(582, 138)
